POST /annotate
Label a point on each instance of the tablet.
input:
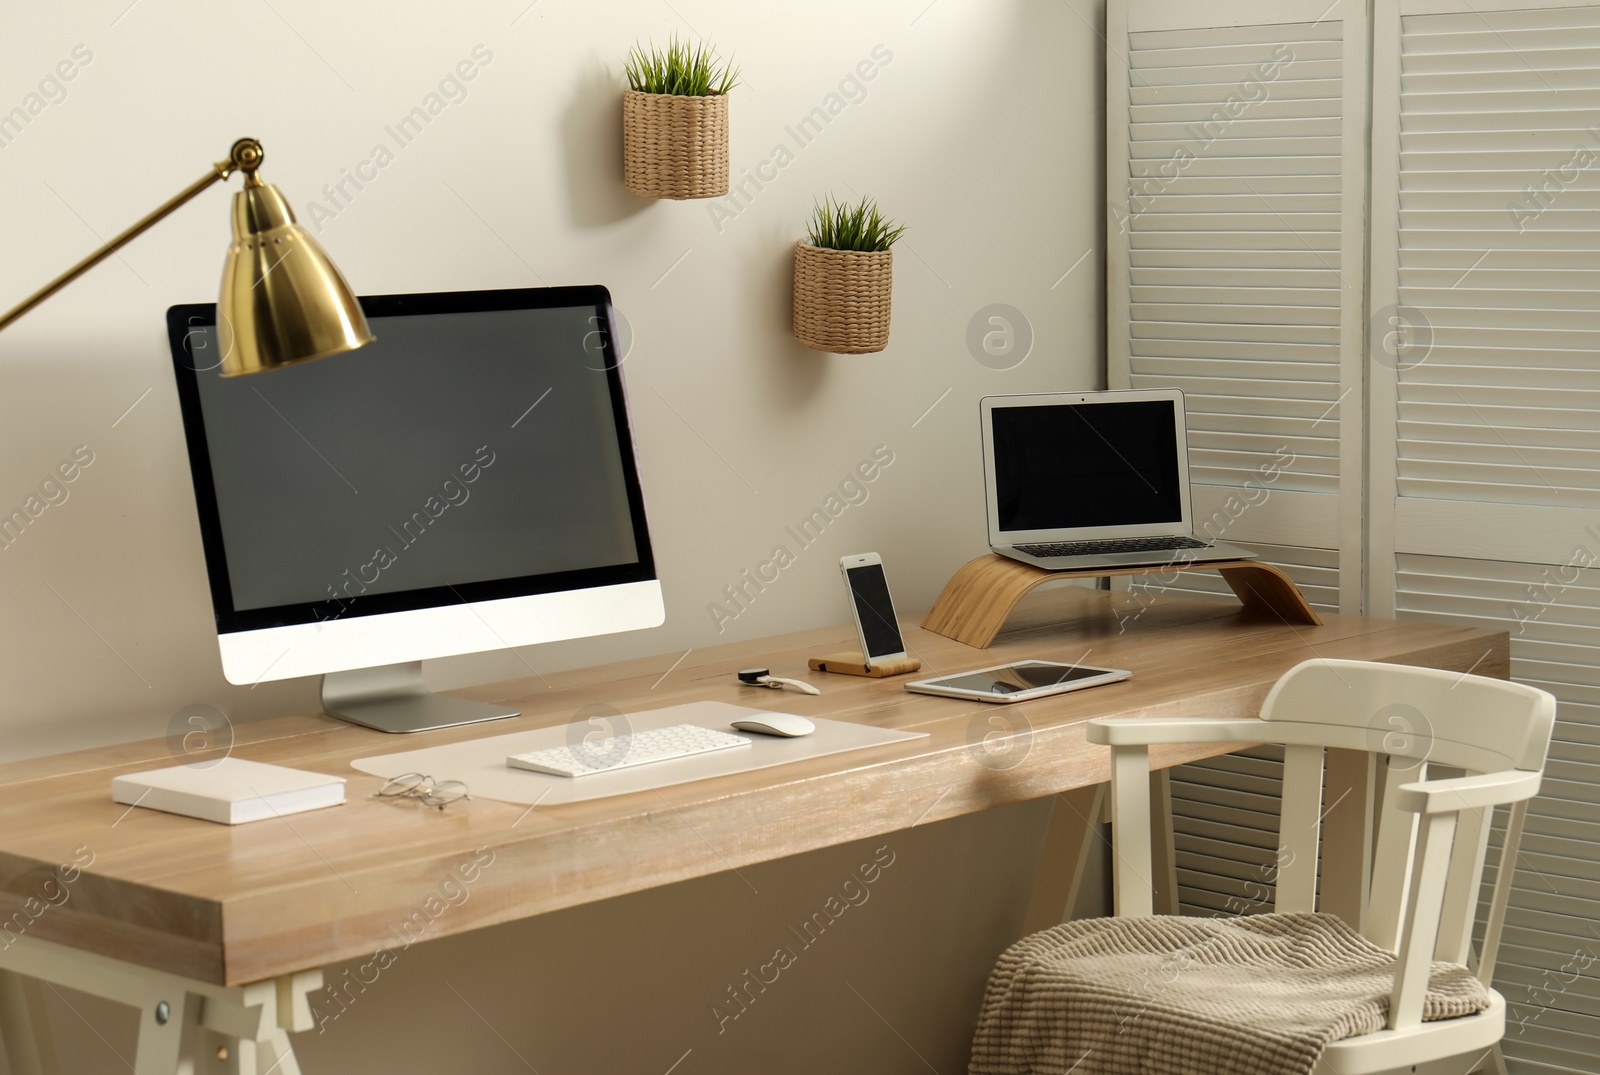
(1019, 681)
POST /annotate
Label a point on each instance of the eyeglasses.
(436, 794)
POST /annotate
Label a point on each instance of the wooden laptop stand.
(980, 597)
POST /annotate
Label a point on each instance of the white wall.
(982, 133)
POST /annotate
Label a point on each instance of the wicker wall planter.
(675, 146)
(841, 299)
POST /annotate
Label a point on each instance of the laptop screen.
(1063, 466)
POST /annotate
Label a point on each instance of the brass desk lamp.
(283, 301)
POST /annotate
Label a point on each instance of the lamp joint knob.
(246, 156)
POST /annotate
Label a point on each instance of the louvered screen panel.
(1225, 823)
(1234, 242)
(1486, 265)
(1499, 260)
(1225, 832)
(1236, 167)
(1549, 964)
(1499, 267)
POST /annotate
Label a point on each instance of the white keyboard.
(626, 751)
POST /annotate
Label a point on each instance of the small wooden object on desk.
(978, 598)
(855, 663)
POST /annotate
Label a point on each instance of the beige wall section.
(981, 131)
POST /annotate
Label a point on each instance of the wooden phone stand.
(978, 598)
(855, 664)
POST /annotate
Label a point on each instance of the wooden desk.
(230, 906)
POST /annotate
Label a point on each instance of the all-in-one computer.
(465, 483)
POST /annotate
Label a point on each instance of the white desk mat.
(481, 763)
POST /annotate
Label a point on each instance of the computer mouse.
(784, 724)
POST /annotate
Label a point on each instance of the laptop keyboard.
(1101, 548)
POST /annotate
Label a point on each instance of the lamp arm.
(245, 156)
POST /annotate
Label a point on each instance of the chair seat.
(1257, 995)
(1470, 1037)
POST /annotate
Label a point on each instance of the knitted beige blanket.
(1255, 995)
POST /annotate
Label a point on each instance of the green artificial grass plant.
(859, 227)
(679, 69)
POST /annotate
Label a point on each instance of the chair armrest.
(1149, 731)
(1440, 802)
(1467, 792)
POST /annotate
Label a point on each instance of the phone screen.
(880, 631)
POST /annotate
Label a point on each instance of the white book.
(230, 791)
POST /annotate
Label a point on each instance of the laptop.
(1092, 479)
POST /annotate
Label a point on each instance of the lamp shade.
(283, 301)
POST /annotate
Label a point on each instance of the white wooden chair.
(1432, 835)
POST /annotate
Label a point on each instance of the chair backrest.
(1413, 721)
(1426, 714)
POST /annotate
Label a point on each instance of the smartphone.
(876, 624)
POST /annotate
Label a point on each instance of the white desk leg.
(21, 1026)
(189, 1044)
(169, 1033)
(1163, 857)
(1074, 830)
(186, 1027)
(43, 1040)
(273, 1054)
(1347, 826)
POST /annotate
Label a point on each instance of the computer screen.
(478, 451)
(1100, 464)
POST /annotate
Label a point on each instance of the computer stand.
(393, 698)
(979, 598)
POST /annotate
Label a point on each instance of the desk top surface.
(240, 904)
